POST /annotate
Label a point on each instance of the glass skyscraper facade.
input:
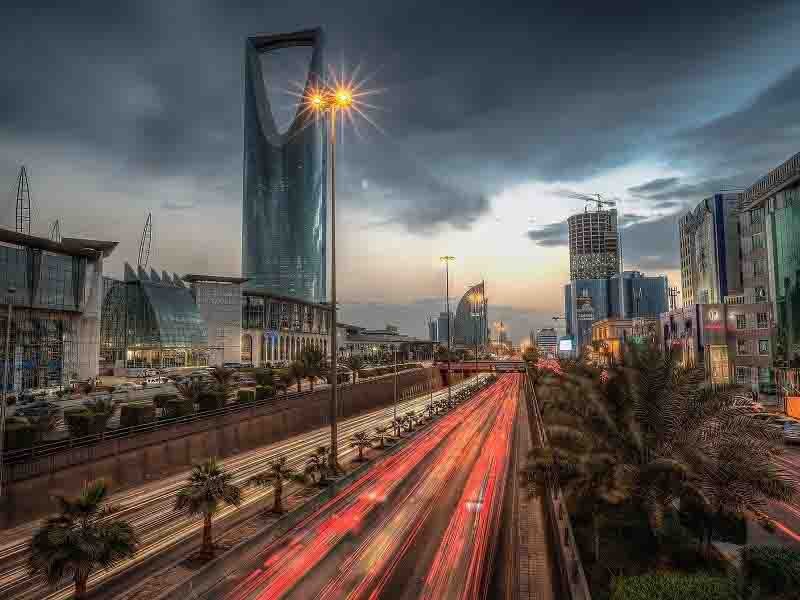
(284, 216)
(470, 324)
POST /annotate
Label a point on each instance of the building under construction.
(55, 292)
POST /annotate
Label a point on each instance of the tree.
(317, 464)
(410, 419)
(297, 372)
(192, 390)
(531, 355)
(647, 432)
(381, 433)
(279, 471)
(224, 382)
(81, 538)
(397, 425)
(282, 380)
(354, 362)
(312, 361)
(361, 441)
(207, 486)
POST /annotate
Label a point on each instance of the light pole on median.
(3, 405)
(394, 351)
(328, 102)
(447, 260)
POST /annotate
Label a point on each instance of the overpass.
(482, 366)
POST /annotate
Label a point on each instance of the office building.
(593, 245)
(219, 301)
(470, 325)
(633, 295)
(56, 309)
(373, 344)
(284, 218)
(585, 301)
(151, 321)
(709, 247)
(612, 337)
(546, 340)
(438, 327)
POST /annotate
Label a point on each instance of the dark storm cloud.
(484, 95)
(656, 185)
(551, 235)
(652, 245)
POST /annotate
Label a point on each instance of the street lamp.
(3, 406)
(394, 352)
(447, 260)
(328, 102)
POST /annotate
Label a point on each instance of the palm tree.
(397, 425)
(297, 372)
(317, 464)
(381, 433)
(361, 440)
(430, 410)
(355, 362)
(312, 360)
(278, 472)
(82, 537)
(224, 382)
(208, 485)
(192, 390)
(649, 432)
(410, 420)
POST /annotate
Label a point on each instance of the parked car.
(791, 431)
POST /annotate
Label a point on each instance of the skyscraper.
(593, 245)
(470, 325)
(710, 250)
(284, 218)
(547, 341)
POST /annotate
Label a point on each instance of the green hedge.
(136, 414)
(245, 396)
(211, 401)
(178, 408)
(19, 434)
(82, 421)
(673, 586)
(772, 569)
(264, 391)
(161, 400)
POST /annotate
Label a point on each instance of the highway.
(785, 517)
(421, 523)
(149, 507)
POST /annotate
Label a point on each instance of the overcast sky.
(486, 111)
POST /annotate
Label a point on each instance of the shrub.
(264, 391)
(19, 433)
(771, 570)
(211, 401)
(81, 422)
(673, 586)
(136, 414)
(178, 408)
(265, 377)
(245, 396)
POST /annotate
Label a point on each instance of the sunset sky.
(486, 111)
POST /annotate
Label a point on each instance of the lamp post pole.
(3, 405)
(394, 350)
(334, 404)
(447, 260)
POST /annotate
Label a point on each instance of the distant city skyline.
(468, 158)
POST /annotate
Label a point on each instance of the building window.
(763, 347)
(743, 375)
(760, 293)
(743, 347)
(765, 383)
(758, 242)
(759, 268)
(741, 321)
(763, 320)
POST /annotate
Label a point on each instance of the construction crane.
(55, 232)
(588, 198)
(144, 243)
(23, 202)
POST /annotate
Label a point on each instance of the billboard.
(565, 345)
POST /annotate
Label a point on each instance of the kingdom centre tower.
(284, 218)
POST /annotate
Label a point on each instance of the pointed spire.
(166, 278)
(129, 274)
(143, 274)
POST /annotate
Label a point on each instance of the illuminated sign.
(565, 345)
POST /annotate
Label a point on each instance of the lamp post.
(328, 102)
(394, 351)
(447, 260)
(3, 405)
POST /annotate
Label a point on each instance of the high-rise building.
(547, 341)
(470, 326)
(709, 247)
(585, 301)
(642, 295)
(284, 216)
(593, 245)
(437, 328)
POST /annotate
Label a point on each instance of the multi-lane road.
(421, 523)
(149, 507)
(784, 517)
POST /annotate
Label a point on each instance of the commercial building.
(55, 289)
(612, 337)
(633, 295)
(374, 343)
(546, 339)
(470, 325)
(219, 302)
(709, 246)
(284, 218)
(585, 301)
(593, 245)
(438, 328)
(151, 321)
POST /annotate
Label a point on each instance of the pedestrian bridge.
(483, 366)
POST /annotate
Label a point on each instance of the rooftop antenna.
(144, 243)
(23, 202)
(55, 232)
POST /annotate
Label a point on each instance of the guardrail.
(570, 567)
(48, 448)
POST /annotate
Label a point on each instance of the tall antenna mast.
(144, 243)
(23, 202)
(55, 232)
